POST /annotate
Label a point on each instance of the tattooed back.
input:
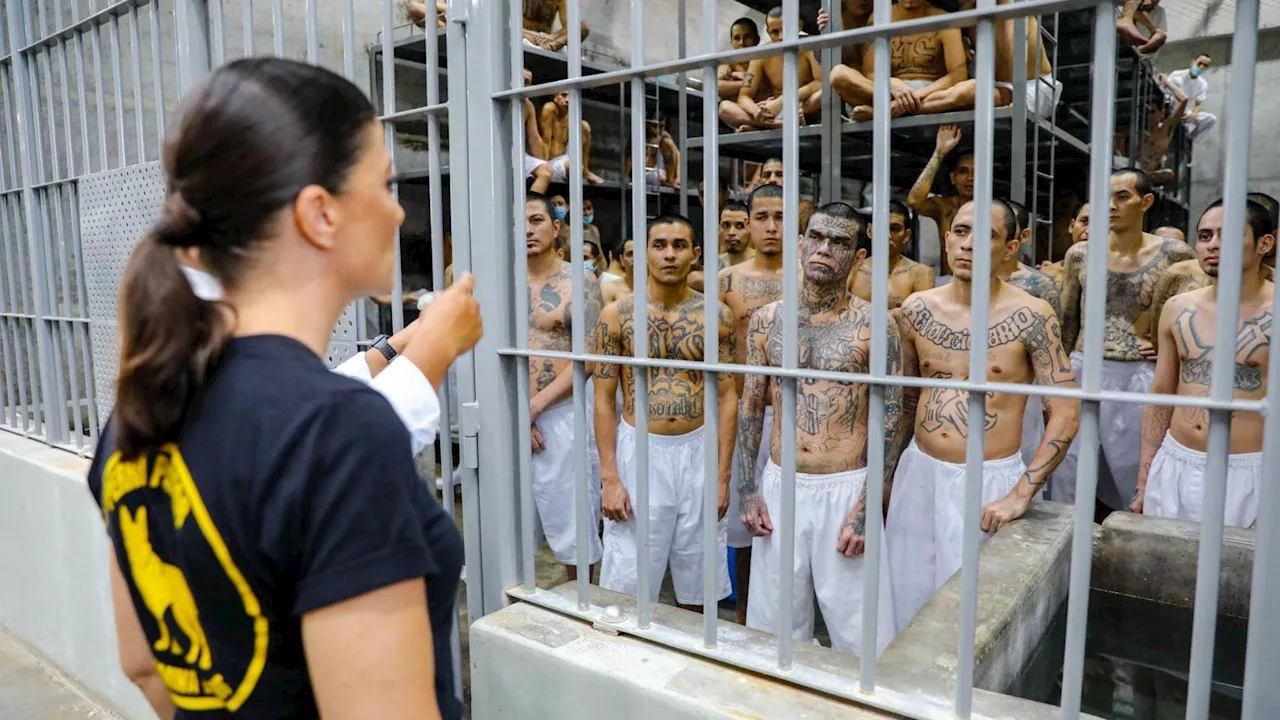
(831, 417)
(675, 333)
(1024, 342)
(1190, 321)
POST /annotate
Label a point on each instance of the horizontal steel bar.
(933, 23)
(438, 108)
(118, 9)
(909, 121)
(910, 704)
(1187, 401)
(18, 316)
(47, 318)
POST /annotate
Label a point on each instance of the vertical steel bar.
(135, 61)
(99, 93)
(832, 110)
(118, 87)
(1239, 121)
(1094, 322)
(880, 179)
(21, 338)
(11, 144)
(82, 297)
(247, 23)
(157, 80)
(435, 204)
(277, 29)
(348, 39)
(217, 29)
(682, 108)
(49, 261)
(68, 335)
(65, 86)
(28, 144)
(1262, 653)
(581, 485)
(1018, 165)
(980, 289)
(14, 372)
(711, 311)
(640, 344)
(790, 344)
(313, 38)
(46, 79)
(529, 541)
(388, 107)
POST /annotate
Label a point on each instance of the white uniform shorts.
(739, 536)
(553, 488)
(676, 473)
(559, 169)
(1120, 428)
(822, 504)
(1041, 102)
(925, 528)
(531, 163)
(1175, 484)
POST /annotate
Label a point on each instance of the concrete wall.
(519, 652)
(1264, 164)
(55, 596)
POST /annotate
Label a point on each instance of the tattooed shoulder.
(1177, 250)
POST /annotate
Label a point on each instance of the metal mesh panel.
(116, 209)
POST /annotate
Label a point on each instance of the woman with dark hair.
(274, 554)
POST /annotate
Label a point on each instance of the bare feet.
(593, 178)
(862, 113)
(416, 12)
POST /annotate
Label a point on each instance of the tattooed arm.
(1052, 366)
(727, 87)
(923, 279)
(1170, 283)
(755, 514)
(728, 409)
(919, 199)
(910, 368)
(1072, 266)
(750, 84)
(614, 500)
(852, 539)
(1156, 419)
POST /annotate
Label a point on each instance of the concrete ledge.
(1156, 558)
(31, 690)
(55, 594)
(1022, 581)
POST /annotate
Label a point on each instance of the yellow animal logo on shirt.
(164, 590)
(177, 563)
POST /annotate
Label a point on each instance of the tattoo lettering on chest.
(1008, 330)
(674, 334)
(919, 54)
(946, 409)
(1253, 342)
(759, 291)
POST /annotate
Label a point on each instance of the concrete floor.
(29, 690)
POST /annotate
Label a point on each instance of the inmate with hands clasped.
(275, 554)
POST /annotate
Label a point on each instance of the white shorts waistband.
(803, 478)
(1012, 461)
(627, 429)
(1236, 460)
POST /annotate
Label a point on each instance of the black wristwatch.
(382, 344)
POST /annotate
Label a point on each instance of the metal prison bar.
(45, 324)
(861, 689)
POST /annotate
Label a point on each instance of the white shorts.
(918, 84)
(925, 528)
(1042, 93)
(559, 169)
(1175, 484)
(739, 536)
(1032, 428)
(1120, 428)
(676, 472)
(531, 163)
(822, 504)
(553, 488)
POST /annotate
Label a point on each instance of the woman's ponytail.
(170, 339)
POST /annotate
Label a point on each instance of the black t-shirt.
(290, 489)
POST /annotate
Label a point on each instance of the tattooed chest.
(919, 55)
(679, 336)
(1193, 334)
(756, 292)
(842, 347)
(549, 317)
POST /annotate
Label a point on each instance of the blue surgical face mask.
(588, 219)
(1196, 71)
(590, 265)
(562, 213)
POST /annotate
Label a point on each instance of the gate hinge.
(459, 11)
(469, 431)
